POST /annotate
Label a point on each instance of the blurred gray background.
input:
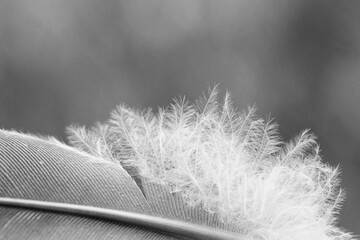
(73, 61)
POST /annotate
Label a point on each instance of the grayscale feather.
(204, 171)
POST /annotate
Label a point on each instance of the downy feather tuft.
(227, 162)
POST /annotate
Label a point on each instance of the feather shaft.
(162, 224)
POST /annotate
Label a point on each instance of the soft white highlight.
(228, 162)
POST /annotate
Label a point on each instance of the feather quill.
(204, 171)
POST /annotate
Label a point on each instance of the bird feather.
(203, 171)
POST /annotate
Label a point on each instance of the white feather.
(228, 162)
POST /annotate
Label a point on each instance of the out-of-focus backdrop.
(73, 61)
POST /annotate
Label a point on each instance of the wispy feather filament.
(227, 162)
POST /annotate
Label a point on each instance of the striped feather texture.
(38, 169)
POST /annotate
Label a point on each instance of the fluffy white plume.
(228, 162)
